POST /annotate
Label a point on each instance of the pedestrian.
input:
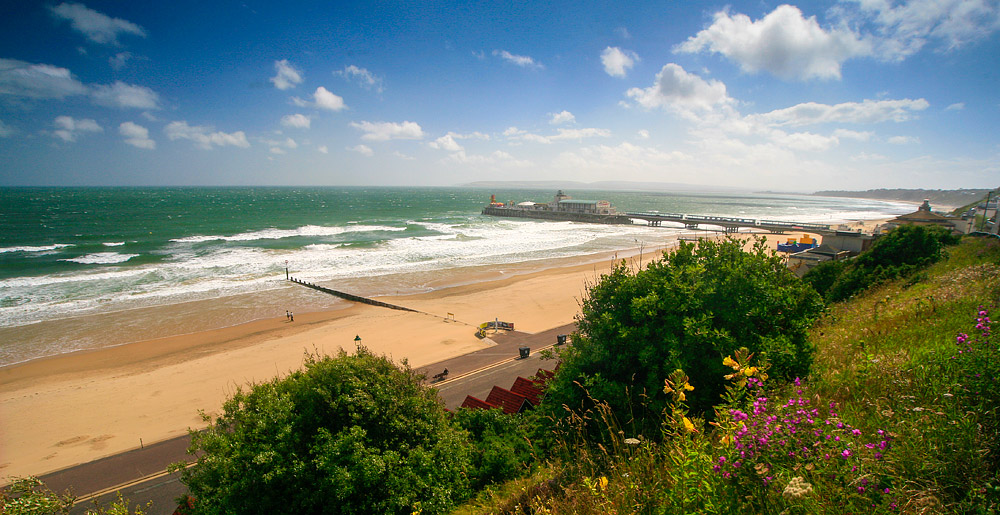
(291, 316)
(288, 315)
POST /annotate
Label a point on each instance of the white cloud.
(21, 79)
(278, 150)
(362, 76)
(643, 134)
(403, 156)
(855, 135)
(677, 89)
(326, 100)
(323, 150)
(69, 128)
(204, 137)
(517, 135)
(99, 28)
(384, 131)
(903, 140)
(136, 135)
(618, 62)
(497, 157)
(520, 60)
(783, 43)
(904, 29)
(297, 121)
(123, 95)
(579, 134)
(561, 118)
(868, 111)
(119, 60)
(958, 106)
(600, 160)
(362, 149)
(287, 75)
(446, 142)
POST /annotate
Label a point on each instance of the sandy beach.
(73, 408)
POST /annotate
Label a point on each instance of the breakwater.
(351, 297)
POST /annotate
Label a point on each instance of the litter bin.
(560, 339)
(525, 352)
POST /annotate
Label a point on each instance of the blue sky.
(854, 94)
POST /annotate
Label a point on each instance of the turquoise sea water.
(85, 267)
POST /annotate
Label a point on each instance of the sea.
(83, 268)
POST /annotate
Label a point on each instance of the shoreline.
(72, 408)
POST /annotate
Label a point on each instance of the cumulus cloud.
(326, 100)
(136, 135)
(519, 60)
(868, 111)
(21, 79)
(384, 131)
(69, 128)
(904, 29)
(675, 88)
(783, 43)
(362, 77)
(120, 60)
(287, 76)
(618, 62)
(123, 95)
(561, 118)
(323, 150)
(518, 135)
(446, 142)
(643, 134)
(297, 121)
(98, 27)
(204, 137)
(362, 149)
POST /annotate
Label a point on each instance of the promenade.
(140, 474)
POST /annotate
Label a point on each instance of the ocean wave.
(41, 248)
(101, 258)
(113, 243)
(277, 234)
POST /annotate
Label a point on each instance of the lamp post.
(357, 340)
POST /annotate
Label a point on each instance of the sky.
(850, 94)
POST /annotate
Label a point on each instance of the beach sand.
(73, 408)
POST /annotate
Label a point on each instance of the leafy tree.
(686, 311)
(351, 434)
(29, 496)
(897, 254)
(500, 446)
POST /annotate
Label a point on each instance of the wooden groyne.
(351, 297)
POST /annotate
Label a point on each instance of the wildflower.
(603, 482)
(689, 426)
(729, 362)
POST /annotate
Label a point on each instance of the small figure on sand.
(291, 316)
(288, 315)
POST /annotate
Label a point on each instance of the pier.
(730, 225)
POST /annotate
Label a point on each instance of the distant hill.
(601, 185)
(939, 199)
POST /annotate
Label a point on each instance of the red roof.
(528, 389)
(508, 400)
(474, 403)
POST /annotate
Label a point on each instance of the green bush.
(897, 254)
(500, 446)
(351, 434)
(686, 311)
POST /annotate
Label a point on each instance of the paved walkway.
(139, 473)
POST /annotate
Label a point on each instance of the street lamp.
(357, 340)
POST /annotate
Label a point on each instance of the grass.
(893, 419)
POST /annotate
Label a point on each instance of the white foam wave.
(113, 243)
(277, 234)
(41, 248)
(101, 258)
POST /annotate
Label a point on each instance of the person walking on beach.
(288, 315)
(291, 316)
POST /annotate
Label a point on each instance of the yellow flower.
(688, 387)
(666, 387)
(727, 361)
(750, 371)
(688, 425)
(603, 482)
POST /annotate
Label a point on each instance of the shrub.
(351, 434)
(685, 311)
(500, 446)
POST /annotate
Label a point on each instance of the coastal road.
(140, 474)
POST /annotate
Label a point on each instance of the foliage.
(897, 254)
(351, 434)
(686, 311)
(29, 496)
(501, 449)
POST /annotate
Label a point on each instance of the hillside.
(938, 198)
